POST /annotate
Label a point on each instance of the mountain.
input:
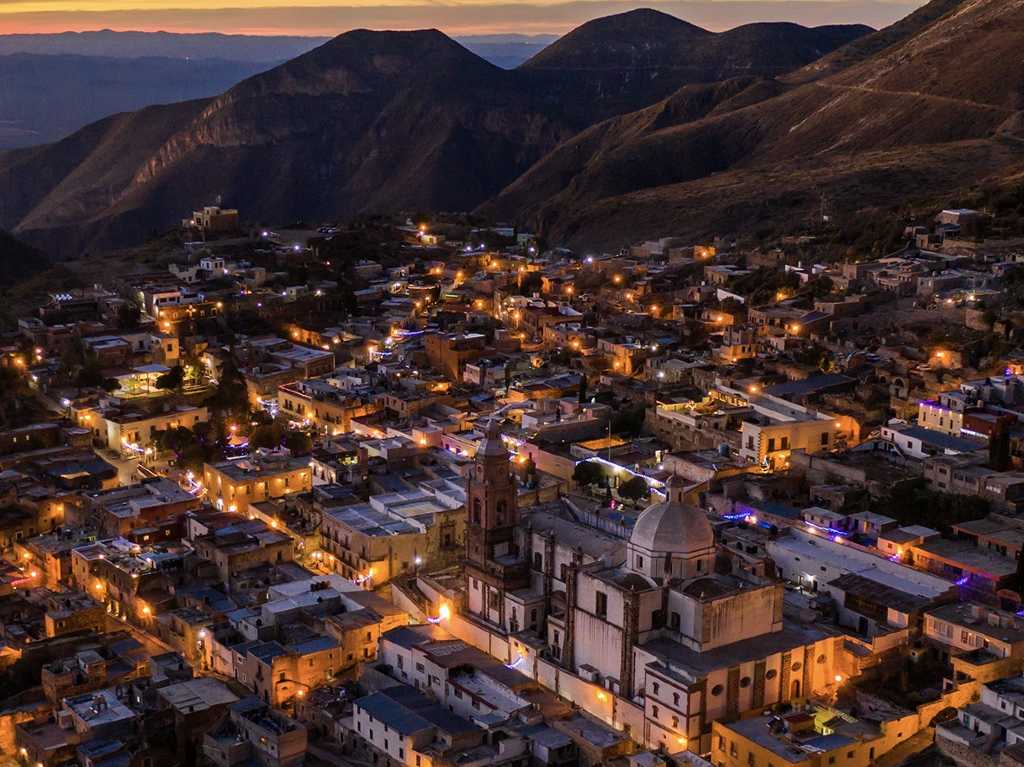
(45, 98)
(370, 121)
(618, 63)
(48, 95)
(506, 51)
(912, 114)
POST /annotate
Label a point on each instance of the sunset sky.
(327, 17)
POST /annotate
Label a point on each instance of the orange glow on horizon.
(325, 18)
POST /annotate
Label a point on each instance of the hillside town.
(421, 492)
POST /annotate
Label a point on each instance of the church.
(642, 613)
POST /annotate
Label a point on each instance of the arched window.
(476, 511)
(538, 561)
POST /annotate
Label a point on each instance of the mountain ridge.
(368, 121)
(930, 97)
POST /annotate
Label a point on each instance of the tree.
(266, 436)
(231, 398)
(91, 375)
(298, 443)
(193, 457)
(176, 439)
(634, 489)
(171, 380)
(530, 283)
(587, 473)
(128, 316)
(911, 500)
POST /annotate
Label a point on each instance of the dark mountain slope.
(931, 98)
(370, 121)
(623, 62)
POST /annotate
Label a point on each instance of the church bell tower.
(493, 564)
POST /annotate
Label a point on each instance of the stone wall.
(964, 756)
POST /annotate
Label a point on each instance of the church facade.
(642, 612)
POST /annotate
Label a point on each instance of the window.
(654, 712)
(538, 561)
(785, 443)
(601, 604)
(563, 572)
(654, 688)
(716, 690)
(771, 445)
(673, 620)
(639, 562)
(675, 698)
(745, 682)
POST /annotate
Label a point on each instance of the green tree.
(128, 316)
(194, 456)
(176, 439)
(588, 473)
(266, 436)
(171, 380)
(90, 375)
(298, 443)
(230, 398)
(634, 489)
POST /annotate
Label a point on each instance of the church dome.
(672, 526)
